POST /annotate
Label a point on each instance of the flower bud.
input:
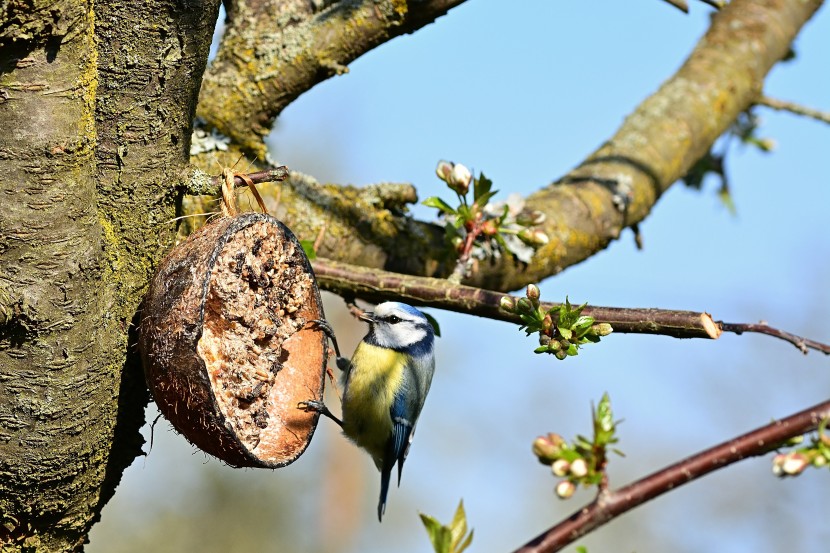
(544, 339)
(489, 228)
(560, 467)
(533, 292)
(819, 461)
(602, 329)
(560, 354)
(548, 448)
(794, 464)
(460, 178)
(524, 304)
(579, 468)
(533, 237)
(565, 489)
(547, 322)
(506, 303)
(444, 170)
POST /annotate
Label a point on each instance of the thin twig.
(609, 505)
(683, 6)
(201, 184)
(270, 175)
(792, 107)
(375, 285)
(804, 344)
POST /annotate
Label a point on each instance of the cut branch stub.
(228, 345)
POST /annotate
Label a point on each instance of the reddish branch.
(374, 285)
(611, 504)
(804, 344)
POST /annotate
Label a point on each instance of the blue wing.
(397, 446)
(405, 409)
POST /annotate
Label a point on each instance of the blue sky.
(524, 94)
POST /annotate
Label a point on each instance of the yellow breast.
(375, 376)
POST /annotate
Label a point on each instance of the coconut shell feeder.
(228, 339)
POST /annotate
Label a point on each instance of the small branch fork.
(375, 285)
(610, 504)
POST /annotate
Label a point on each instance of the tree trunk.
(96, 104)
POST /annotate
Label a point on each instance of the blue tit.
(385, 385)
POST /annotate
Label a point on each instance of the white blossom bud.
(794, 464)
(444, 170)
(460, 178)
(533, 292)
(565, 489)
(560, 467)
(579, 468)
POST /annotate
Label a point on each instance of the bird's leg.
(341, 362)
(313, 405)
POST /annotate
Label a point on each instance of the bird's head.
(398, 326)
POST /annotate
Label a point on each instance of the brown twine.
(229, 208)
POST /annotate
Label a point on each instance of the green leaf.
(581, 549)
(458, 526)
(500, 240)
(481, 186)
(584, 321)
(604, 417)
(432, 321)
(451, 538)
(465, 544)
(438, 203)
(308, 248)
(482, 200)
(439, 535)
(726, 199)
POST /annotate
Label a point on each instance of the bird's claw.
(314, 406)
(325, 326)
(310, 406)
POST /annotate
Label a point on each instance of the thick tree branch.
(273, 51)
(611, 504)
(375, 286)
(614, 188)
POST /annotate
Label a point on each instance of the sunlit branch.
(611, 504)
(792, 107)
(375, 286)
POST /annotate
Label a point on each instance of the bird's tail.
(385, 476)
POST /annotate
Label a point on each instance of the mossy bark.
(96, 111)
(96, 104)
(615, 188)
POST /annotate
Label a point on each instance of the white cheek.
(399, 336)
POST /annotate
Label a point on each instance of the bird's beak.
(367, 316)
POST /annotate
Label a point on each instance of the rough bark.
(96, 110)
(615, 187)
(274, 50)
(96, 104)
